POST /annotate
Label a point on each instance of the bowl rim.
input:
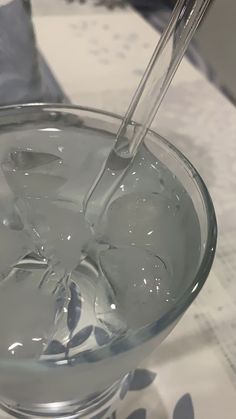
(150, 331)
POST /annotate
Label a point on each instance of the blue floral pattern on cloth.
(142, 380)
(184, 408)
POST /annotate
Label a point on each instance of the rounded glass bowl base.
(96, 407)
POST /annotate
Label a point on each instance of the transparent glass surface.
(83, 304)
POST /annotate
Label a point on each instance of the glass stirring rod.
(167, 56)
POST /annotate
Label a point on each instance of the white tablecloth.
(98, 58)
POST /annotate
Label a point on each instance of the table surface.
(98, 57)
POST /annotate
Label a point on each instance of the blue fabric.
(24, 75)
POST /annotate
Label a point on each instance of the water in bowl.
(69, 286)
